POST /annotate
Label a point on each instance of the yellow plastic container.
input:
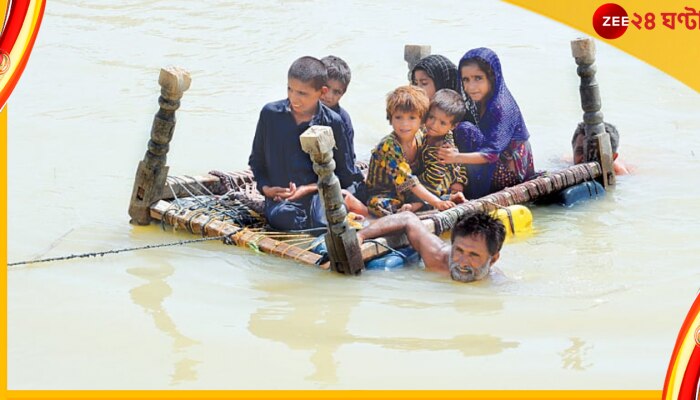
(517, 219)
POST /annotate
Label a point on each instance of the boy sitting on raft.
(338, 80)
(283, 172)
(339, 76)
(391, 182)
(447, 181)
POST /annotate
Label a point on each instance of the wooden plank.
(413, 53)
(518, 194)
(200, 224)
(184, 186)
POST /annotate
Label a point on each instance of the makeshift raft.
(228, 205)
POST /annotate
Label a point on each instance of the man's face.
(470, 259)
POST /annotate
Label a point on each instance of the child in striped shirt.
(446, 181)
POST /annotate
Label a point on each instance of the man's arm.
(433, 251)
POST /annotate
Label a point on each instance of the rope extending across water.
(225, 238)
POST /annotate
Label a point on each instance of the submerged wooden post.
(596, 146)
(341, 240)
(412, 53)
(152, 171)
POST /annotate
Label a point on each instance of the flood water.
(593, 299)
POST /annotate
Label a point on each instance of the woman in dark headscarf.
(496, 147)
(433, 73)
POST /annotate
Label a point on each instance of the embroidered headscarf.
(501, 122)
(440, 69)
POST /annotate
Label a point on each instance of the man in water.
(577, 146)
(475, 244)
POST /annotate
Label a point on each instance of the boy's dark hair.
(337, 69)
(449, 102)
(309, 70)
(609, 128)
(482, 224)
(407, 99)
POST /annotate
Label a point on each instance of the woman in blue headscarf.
(495, 147)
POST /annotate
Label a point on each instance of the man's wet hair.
(337, 69)
(309, 70)
(449, 102)
(481, 224)
(609, 128)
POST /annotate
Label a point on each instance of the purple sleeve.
(468, 137)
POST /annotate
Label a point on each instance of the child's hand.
(274, 192)
(301, 191)
(457, 198)
(278, 193)
(447, 154)
(443, 205)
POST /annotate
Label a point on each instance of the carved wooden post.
(412, 53)
(341, 240)
(596, 146)
(152, 171)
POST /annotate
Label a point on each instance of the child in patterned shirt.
(391, 182)
(443, 180)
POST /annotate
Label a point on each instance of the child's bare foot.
(354, 205)
(406, 207)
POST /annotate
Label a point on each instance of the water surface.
(593, 300)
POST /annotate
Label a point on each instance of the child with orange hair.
(391, 182)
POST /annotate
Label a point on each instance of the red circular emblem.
(610, 21)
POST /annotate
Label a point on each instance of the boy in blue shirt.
(338, 80)
(339, 76)
(283, 172)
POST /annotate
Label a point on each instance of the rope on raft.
(241, 186)
(209, 215)
(215, 208)
(527, 191)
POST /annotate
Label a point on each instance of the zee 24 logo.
(610, 20)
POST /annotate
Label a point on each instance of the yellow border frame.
(546, 394)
